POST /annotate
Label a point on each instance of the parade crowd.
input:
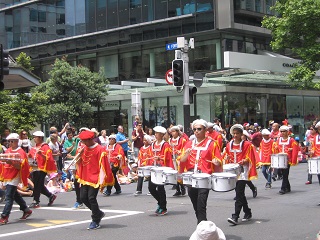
(88, 162)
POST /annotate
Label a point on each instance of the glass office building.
(128, 38)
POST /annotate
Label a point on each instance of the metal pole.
(186, 100)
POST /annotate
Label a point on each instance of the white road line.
(123, 214)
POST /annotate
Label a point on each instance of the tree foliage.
(71, 93)
(24, 61)
(296, 27)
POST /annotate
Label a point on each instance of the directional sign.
(171, 46)
(197, 79)
(169, 77)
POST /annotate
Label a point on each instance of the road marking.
(122, 213)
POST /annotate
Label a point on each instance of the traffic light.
(4, 62)
(178, 72)
(192, 91)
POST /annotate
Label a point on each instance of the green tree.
(71, 93)
(24, 61)
(296, 27)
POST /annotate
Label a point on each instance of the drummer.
(288, 145)
(209, 161)
(266, 149)
(144, 157)
(177, 142)
(162, 157)
(241, 152)
(214, 134)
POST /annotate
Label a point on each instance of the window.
(42, 17)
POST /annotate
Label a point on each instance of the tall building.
(244, 81)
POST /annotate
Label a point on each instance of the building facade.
(128, 39)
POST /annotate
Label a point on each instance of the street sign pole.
(186, 99)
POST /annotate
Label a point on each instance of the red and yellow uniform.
(144, 156)
(116, 155)
(203, 153)
(215, 136)
(45, 160)
(10, 172)
(290, 147)
(243, 151)
(94, 169)
(315, 148)
(163, 153)
(267, 148)
(176, 146)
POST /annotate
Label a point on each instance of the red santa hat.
(85, 135)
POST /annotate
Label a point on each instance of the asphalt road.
(293, 216)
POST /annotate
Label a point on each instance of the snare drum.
(186, 178)
(314, 165)
(279, 160)
(156, 175)
(66, 165)
(201, 180)
(224, 181)
(144, 171)
(232, 168)
(169, 176)
(33, 164)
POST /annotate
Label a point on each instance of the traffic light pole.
(186, 99)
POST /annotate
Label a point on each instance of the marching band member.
(214, 134)
(42, 154)
(313, 144)
(275, 133)
(177, 142)
(201, 154)
(162, 157)
(15, 172)
(116, 158)
(241, 152)
(288, 145)
(94, 172)
(266, 149)
(145, 154)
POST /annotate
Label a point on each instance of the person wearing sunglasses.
(200, 155)
(14, 172)
(288, 145)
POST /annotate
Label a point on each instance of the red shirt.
(203, 153)
(288, 146)
(267, 147)
(45, 161)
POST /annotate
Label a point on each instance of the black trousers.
(241, 200)
(140, 184)
(77, 190)
(285, 178)
(116, 183)
(199, 197)
(38, 177)
(159, 193)
(88, 196)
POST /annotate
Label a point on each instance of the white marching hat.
(284, 128)
(210, 124)
(236, 126)
(113, 136)
(317, 125)
(160, 129)
(245, 132)
(200, 122)
(13, 136)
(38, 134)
(207, 230)
(265, 132)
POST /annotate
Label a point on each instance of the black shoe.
(281, 192)
(287, 190)
(247, 217)
(183, 191)
(255, 192)
(177, 194)
(51, 199)
(233, 220)
(118, 192)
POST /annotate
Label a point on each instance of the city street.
(293, 216)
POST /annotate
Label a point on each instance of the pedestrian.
(241, 152)
(94, 173)
(201, 155)
(14, 172)
(45, 164)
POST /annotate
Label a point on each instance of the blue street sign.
(171, 46)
